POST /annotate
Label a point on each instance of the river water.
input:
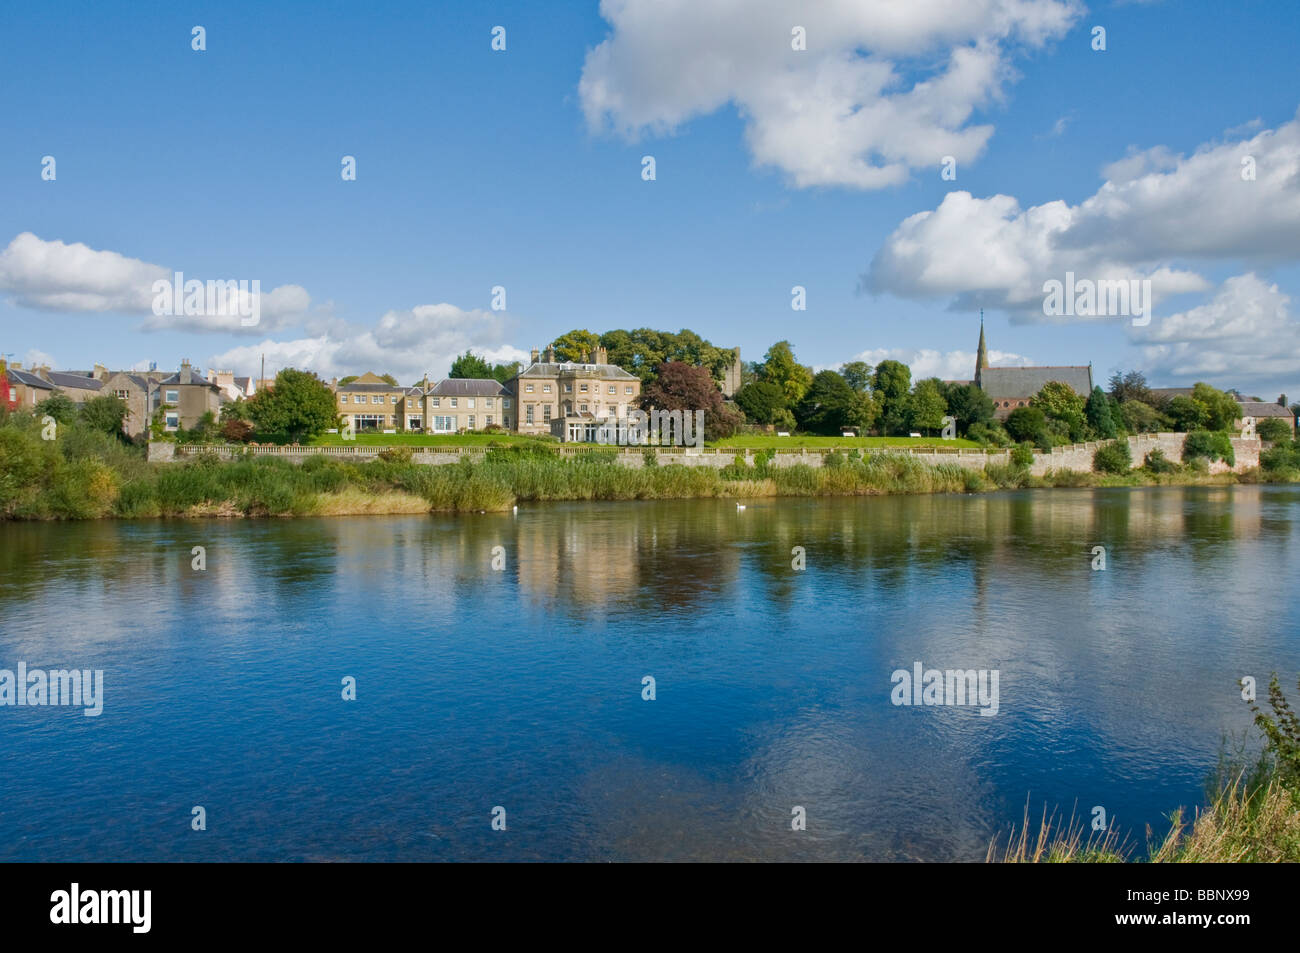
(521, 687)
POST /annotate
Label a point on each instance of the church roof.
(1007, 382)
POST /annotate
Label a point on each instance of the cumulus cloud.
(1156, 213)
(406, 344)
(56, 276)
(945, 365)
(881, 88)
(1244, 334)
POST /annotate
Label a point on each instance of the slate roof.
(71, 379)
(1259, 408)
(468, 387)
(610, 372)
(30, 380)
(196, 379)
(1007, 382)
(355, 388)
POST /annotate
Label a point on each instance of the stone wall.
(1075, 457)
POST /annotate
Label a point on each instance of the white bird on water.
(514, 510)
(740, 506)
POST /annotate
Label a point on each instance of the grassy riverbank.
(1252, 814)
(82, 474)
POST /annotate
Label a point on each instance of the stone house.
(549, 392)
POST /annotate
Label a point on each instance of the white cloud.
(56, 276)
(1244, 334)
(945, 365)
(35, 358)
(882, 87)
(1157, 212)
(406, 344)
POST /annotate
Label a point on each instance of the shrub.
(396, 455)
(1156, 462)
(237, 431)
(1022, 455)
(1273, 429)
(1113, 457)
(990, 433)
(1209, 446)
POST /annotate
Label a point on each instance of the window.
(528, 413)
(173, 421)
(568, 388)
(444, 424)
(358, 399)
(612, 389)
(343, 398)
(453, 402)
(546, 413)
(528, 388)
(413, 423)
(583, 408)
(546, 388)
(471, 421)
(488, 420)
(487, 402)
(377, 399)
(583, 388)
(435, 401)
(505, 402)
(368, 421)
(121, 394)
(469, 402)
(394, 398)
(172, 397)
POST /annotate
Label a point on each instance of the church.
(1012, 387)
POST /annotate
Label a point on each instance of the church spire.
(982, 355)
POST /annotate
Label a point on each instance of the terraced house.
(457, 404)
(568, 398)
(371, 403)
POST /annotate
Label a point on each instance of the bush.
(1272, 429)
(1156, 462)
(1022, 455)
(1209, 446)
(990, 433)
(1113, 457)
(396, 455)
(237, 431)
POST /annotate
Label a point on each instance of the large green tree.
(857, 374)
(828, 405)
(299, 405)
(969, 405)
(762, 401)
(59, 406)
(470, 365)
(926, 406)
(1097, 411)
(104, 414)
(575, 344)
(891, 385)
(781, 368)
(1058, 401)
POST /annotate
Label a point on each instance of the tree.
(388, 379)
(681, 386)
(969, 405)
(299, 405)
(1113, 457)
(470, 365)
(59, 406)
(236, 430)
(104, 414)
(1222, 411)
(1097, 411)
(343, 381)
(1187, 413)
(761, 401)
(780, 368)
(1026, 423)
(1058, 401)
(890, 386)
(926, 406)
(236, 410)
(1139, 417)
(1273, 429)
(857, 374)
(574, 345)
(828, 406)
(1130, 386)
(504, 372)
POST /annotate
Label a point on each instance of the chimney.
(43, 372)
(602, 355)
(100, 373)
(186, 375)
(549, 355)
(536, 356)
(1281, 400)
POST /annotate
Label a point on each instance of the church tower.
(982, 355)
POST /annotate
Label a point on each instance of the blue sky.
(775, 168)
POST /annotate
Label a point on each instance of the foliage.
(470, 365)
(1209, 446)
(236, 430)
(857, 374)
(1113, 457)
(781, 368)
(926, 406)
(1140, 417)
(574, 345)
(828, 406)
(1026, 424)
(1022, 455)
(1156, 462)
(679, 386)
(1058, 401)
(891, 386)
(1097, 412)
(991, 433)
(59, 406)
(970, 406)
(641, 351)
(1130, 386)
(1272, 429)
(299, 405)
(761, 401)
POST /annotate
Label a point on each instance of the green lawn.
(764, 441)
